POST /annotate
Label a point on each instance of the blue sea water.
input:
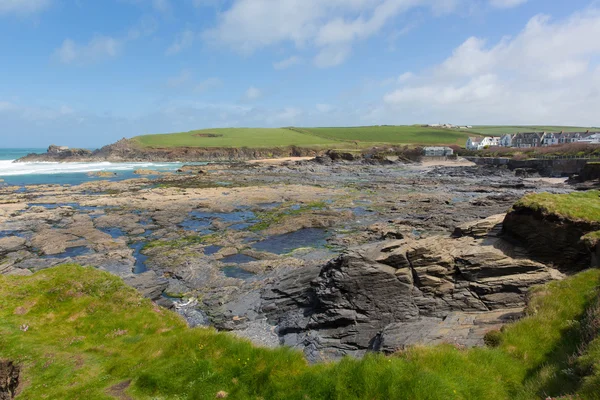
(21, 174)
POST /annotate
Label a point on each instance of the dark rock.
(148, 283)
(551, 239)
(9, 379)
(354, 297)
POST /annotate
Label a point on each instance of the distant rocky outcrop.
(59, 153)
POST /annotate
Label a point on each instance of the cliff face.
(126, 150)
(551, 238)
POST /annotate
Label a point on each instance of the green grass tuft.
(578, 205)
(273, 217)
(87, 332)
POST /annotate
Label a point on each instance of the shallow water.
(212, 249)
(282, 244)
(113, 232)
(238, 259)
(201, 221)
(140, 259)
(237, 272)
(71, 252)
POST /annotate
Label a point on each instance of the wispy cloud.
(507, 3)
(208, 84)
(287, 63)
(183, 40)
(331, 27)
(97, 49)
(23, 7)
(252, 94)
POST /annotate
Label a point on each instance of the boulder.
(146, 172)
(102, 174)
(149, 284)
(11, 243)
(491, 226)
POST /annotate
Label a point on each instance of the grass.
(578, 205)
(179, 243)
(351, 138)
(269, 218)
(413, 134)
(79, 332)
(490, 130)
(233, 137)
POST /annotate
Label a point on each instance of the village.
(532, 139)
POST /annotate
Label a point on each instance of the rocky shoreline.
(331, 256)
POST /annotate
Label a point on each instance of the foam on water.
(9, 168)
(66, 173)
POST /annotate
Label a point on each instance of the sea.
(34, 173)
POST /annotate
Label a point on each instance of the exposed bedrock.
(550, 238)
(9, 379)
(387, 295)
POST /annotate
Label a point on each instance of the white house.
(490, 141)
(473, 143)
(591, 139)
(479, 143)
(506, 140)
(550, 139)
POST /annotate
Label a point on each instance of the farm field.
(501, 130)
(233, 137)
(404, 134)
(339, 138)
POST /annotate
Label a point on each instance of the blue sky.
(87, 72)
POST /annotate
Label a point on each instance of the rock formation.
(387, 295)
(9, 379)
(550, 238)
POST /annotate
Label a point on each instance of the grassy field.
(80, 333)
(233, 137)
(336, 138)
(577, 205)
(501, 130)
(413, 134)
(333, 138)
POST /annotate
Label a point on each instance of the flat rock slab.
(11, 243)
(458, 328)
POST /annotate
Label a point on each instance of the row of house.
(533, 139)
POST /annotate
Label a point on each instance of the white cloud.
(183, 40)
(548, 73)
(287, 63)
(208, 84)
(332, 56)
(331, 27)
(97, 49)
(286, 116)
(325, 108)
(101, 47)
(23, 7)
(507, 3)
(252, 94)
(183, 78)
(162, 6)
(405, 77)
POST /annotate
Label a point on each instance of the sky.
(87, 72)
